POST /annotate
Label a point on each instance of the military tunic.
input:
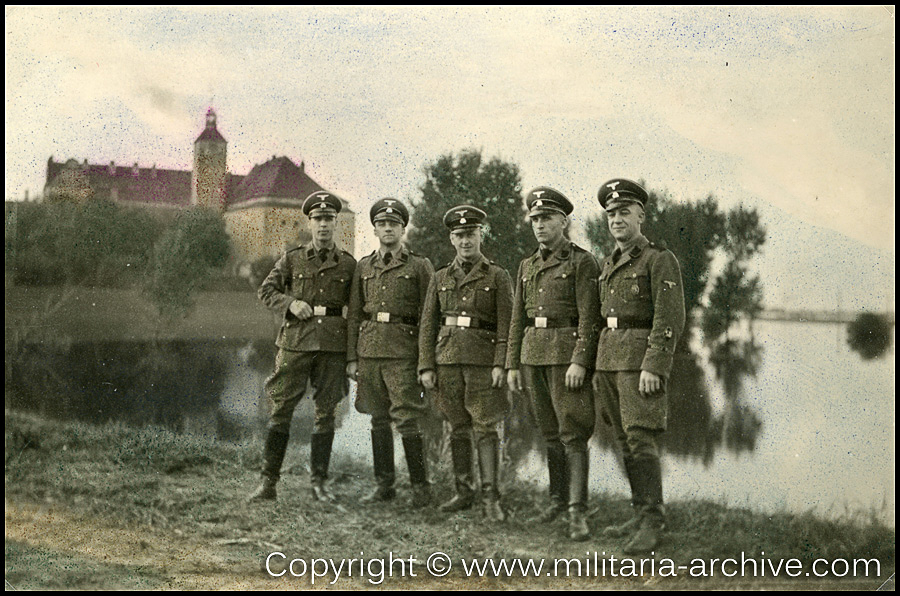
(463, 335)
(313, 349)
(642, 304)
(386, 302)
(555, 321)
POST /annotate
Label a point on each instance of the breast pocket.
(635, 287)
(447, 298)
(369, 286)
(485, 298)
(408, 289)
(562, 284)
(300, 283)
(338, 289)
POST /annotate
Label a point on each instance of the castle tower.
(209, 178)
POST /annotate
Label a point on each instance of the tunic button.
(383, 287)
(319, 321)
(321, 290)
(382, 304)
(540, 291)
(612, 291)
(464, 298)
(463, 313)
(540, 308)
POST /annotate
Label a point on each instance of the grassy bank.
(112, 506)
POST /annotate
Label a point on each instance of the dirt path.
(96, 553)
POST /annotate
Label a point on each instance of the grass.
(184, 488)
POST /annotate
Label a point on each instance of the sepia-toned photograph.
(450, 298)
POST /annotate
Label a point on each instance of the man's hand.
(575, 376)
(497, 377)
(650, 384)
(301, 310)
(514, 380)
(351, 370)
(428, 379)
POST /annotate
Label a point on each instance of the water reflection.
(187, 386)
(696, 430)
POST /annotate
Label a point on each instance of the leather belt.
(470, 322)
(551, 322)
(628, 323)
(386, 317)
(327, 311)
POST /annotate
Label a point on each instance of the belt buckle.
(463, 321)
(540, 322)
(319, 311)
(383, 317)
(612, 322)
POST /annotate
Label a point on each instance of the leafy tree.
(96, 243)
(494, 186)
(869, 335)
(184, 258)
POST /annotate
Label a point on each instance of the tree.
(183, 259)
(96, 243)
(494, 186)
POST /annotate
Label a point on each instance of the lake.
(812, 429)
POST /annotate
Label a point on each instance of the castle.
(262, 210)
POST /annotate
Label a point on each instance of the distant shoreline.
(814, 316)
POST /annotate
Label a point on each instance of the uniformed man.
(553, 340)
(386, 301)
(462, 354)
(310, 288)
(642, 303)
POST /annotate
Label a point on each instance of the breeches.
(637, 421)
(287, 385)
(561, 414)
(466, 397)
(389, 391)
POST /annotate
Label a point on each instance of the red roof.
(277, 178)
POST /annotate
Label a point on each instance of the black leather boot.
(383, 463)
(648, 477)
(414, 448)
(557, 469)
(489, 464)
(273, 457)
(461, 452)
(320, 456)
(629, 527)
(578, 478)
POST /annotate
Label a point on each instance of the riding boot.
(461, 452)
(578, 479)
(557, 470)
(632, 525)
(649, 476)
(383, 463)
(414, 448)
(320, 456)
(273, 456)
(489, 464)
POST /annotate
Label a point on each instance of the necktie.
(387, 258)
(466, 267)
(323, 254)
(545, 253)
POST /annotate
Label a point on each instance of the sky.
(788, 110)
